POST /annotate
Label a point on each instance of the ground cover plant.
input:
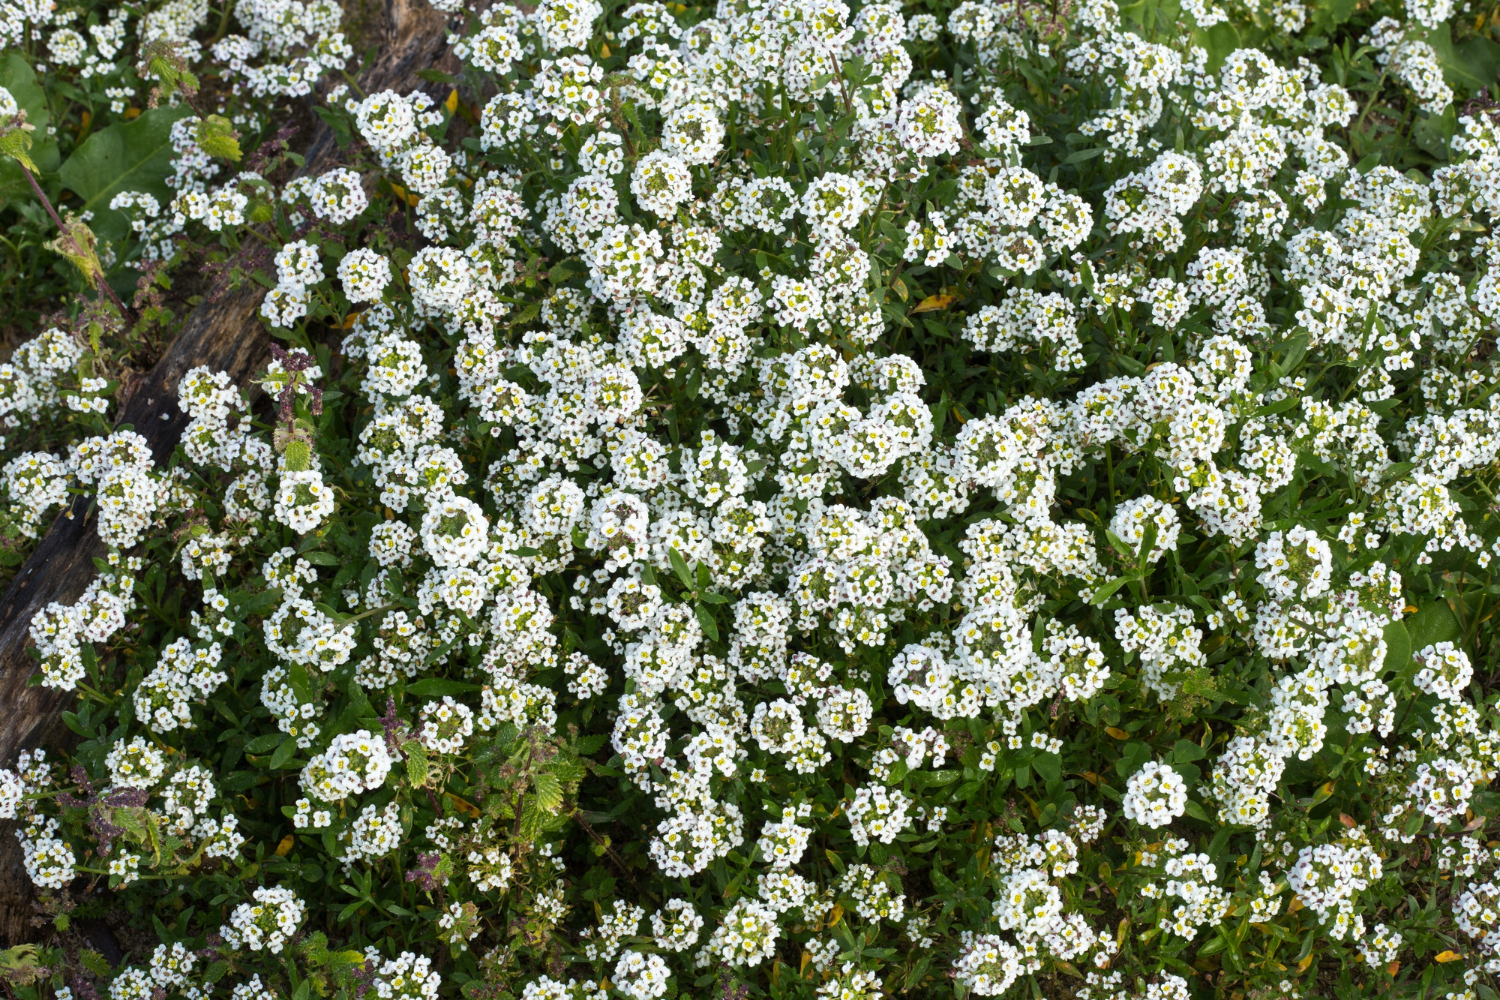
(787, 499)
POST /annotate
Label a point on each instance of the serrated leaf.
(416, 763)
(96, 963)
(548, 790)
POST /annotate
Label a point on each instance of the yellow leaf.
(285, 846)
(472, 810)
(836, 915)
(1393, 968)
(452, 102)
(1295, 905)
(1303, 965)
(934, 302)
(806, 958)
(604, 51)
(1118, 734)
(1090, 777)
(1410, 609)
(401, 192)
(1447, 956)
(132, 113)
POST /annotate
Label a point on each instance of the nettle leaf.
(416, 763)
(548, 791)
(126, 156)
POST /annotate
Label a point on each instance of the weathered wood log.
(223, 333)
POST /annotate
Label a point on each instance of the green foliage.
(126, 156)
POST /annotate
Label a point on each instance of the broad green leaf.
(1187, 750)
(1468, 67)
(1434, 623)
(128, 156)
(1220, 40)
(284, 753)
(17, 76)
(263, 743)
(1329, 14)
(1397, 646)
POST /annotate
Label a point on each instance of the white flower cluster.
(266, 924)
(1155, 795)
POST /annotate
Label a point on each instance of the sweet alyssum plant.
(784, 499)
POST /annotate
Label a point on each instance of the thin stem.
(99, 281)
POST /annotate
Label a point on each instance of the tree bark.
(225, 334)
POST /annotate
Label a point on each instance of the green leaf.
(128, 156)
(710, 628)
(17, 76)
(1107, 591)
(1432, 624)
(680, 566)
(416, 763)
(1187, 750)
(283, 753)
(548, 791)
(1397, 646)
(1132, 759)
(261, 744)
(1220, 40)
(1280, 406)
(1296, 349)
(1048, 766)
(217, 137)
(436, 687)
(1467, 71)
(1120, 545)
(1329, 14)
